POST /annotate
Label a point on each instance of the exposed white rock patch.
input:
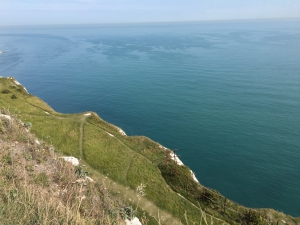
(110, 134)
(87, 114)
(17, 83)
(5, 116)
(121, 131)
(194, 177)
(175, 158)
(160, 146)
(89, 179)
(71, 159)
(37, 142)
(134, 221)
(47, 113)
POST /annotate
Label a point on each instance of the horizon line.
(152, 22)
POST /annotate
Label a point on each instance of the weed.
(7, 159)
(127, 212)
(9, 173)
(13, 193)
(28, 156)
(42, 179)
(81, 172)
(29, 168)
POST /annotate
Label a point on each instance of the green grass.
(129, 161)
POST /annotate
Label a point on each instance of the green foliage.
(80, 172)
(41, 179)
(13, 193)
(29, 168)
(129, 161)
(7, 159)
(127, 212)
(5, 91)
(14, 96)
(9, 173)
(27, 125)
(28, 156)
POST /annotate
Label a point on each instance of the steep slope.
(131, 162)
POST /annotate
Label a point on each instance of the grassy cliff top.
(140, 172)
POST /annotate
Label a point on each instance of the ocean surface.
(225, 94)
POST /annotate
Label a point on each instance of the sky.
(35, 12)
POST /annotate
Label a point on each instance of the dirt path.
(82, 121)
(125, 193)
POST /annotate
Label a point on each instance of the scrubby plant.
(5, 91)
(14, 96)
(42, 179)
(7, 159)
(80, 172)
(127, 212)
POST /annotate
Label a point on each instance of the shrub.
(13, 97)
(5, 91)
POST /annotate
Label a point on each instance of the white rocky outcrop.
(71, 159)
(110, 134)
(121, 131)
(89, 179)
(134, 221)
(175, 158)
(194, 177)
(5, 116)
(17, 83)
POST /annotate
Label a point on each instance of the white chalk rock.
(194, 177)
(175, 158)
(135, 221)
(121, 132)
(89, 179)
(5, 116)
(71, 159)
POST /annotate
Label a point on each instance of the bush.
(5, 91)
(13, 97)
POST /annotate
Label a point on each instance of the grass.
(46, 193)
(126, 161)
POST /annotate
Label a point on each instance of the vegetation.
(133, 175)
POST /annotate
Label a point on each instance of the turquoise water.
(225, 94)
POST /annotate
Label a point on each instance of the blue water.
(225, 94)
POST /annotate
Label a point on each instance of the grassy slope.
(129, 161)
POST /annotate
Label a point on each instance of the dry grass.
(36, 187)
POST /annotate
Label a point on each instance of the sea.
(224, 94)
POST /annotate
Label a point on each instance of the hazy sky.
(22, 12)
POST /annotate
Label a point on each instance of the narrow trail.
(123, 143)
(128, 195)
(128, 167)
(125, 193)
(82, 121)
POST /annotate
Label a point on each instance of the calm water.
(225, 94)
